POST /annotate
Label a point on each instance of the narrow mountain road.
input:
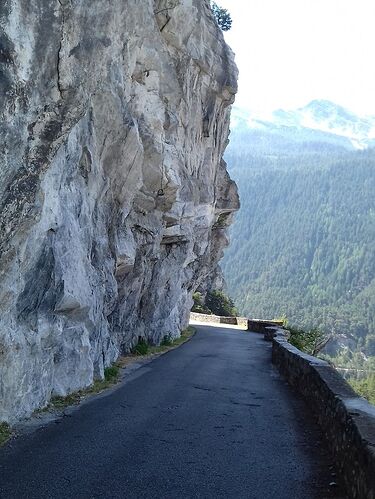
(212, 419)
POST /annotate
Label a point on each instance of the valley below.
(303, 242)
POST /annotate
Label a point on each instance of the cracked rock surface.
(114, 198)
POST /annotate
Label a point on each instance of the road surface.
(211, 419)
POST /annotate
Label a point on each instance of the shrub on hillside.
(220, 304)
(216, 302)
(365, 387)
(311, 342)
(199, 306)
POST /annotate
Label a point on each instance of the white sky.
(292, 51)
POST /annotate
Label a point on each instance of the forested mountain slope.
(303, 244)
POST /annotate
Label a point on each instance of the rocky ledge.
(114, 195)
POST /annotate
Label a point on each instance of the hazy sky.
(292, 51)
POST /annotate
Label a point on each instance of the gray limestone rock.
(114, 120)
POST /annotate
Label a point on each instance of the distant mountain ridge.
(320, 120)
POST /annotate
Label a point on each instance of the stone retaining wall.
(347, 420)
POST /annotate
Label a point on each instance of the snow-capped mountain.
(320, 120)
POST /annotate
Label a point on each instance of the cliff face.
(105, 105)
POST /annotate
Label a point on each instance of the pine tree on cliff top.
(222, 16)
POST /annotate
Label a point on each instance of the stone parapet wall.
(217, 319)
(260, 326)
(347, 420)
(243, 322)
(253, 325)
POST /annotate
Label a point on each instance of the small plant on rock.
(5, 433)
(141, 348)
(111, 373)
(167, 341)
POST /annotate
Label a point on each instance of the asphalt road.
(211, 419)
